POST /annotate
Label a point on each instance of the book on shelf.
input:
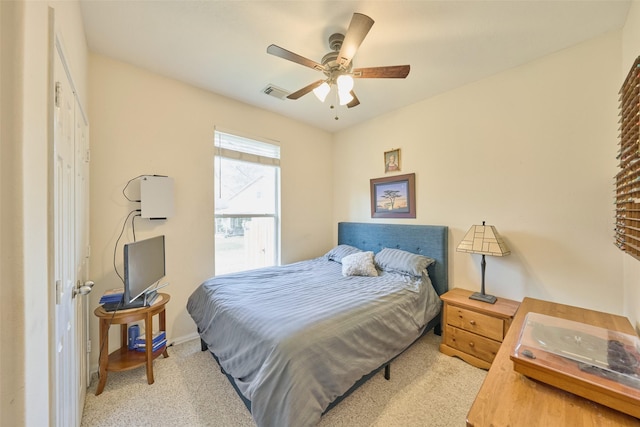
(156, 338)
(112, 295)
(156, 346)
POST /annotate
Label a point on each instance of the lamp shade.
(344, 98)
(345, 83)
(485, 240)
(322, 91)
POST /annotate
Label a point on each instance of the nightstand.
(474, 330)
(123, 359)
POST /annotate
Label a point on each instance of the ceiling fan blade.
(390, 72)
(305, 90)
(293, 57)
(355, 101)
(357, 31)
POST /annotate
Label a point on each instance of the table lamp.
(485, 240)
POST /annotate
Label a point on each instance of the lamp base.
(483, 297)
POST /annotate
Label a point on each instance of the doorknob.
(83, 289)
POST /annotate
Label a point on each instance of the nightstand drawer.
(475, 345)
(481, 324)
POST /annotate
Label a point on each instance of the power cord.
(125, 188)
(115, 247)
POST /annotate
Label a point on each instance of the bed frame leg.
(203, 345)
(387, 371)
(438, 329)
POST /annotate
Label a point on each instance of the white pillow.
(359, 264)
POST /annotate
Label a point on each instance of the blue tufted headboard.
(428, 240)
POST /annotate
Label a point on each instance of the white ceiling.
(221, 46)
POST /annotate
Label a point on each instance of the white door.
(82, 251)
(70, 222)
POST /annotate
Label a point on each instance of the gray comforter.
(298, 336)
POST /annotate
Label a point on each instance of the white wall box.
(156, 197)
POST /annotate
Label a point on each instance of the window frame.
(219, 153)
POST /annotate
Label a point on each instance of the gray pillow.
(341, 251)
(400, 261)
(359, 264)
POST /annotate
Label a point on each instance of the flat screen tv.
(144, 265)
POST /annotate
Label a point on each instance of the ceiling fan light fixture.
(345, 83)
(322, 91)
(337, 65)
(344, 97)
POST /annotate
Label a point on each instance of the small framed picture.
(392, 160)
(394, 196)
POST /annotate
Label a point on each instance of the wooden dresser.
(508, 398)
(474, 330)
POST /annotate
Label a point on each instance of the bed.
(296, 339)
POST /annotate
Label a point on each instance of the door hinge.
(87, 156)
(58, 91)
(58, 291)
(88, 346)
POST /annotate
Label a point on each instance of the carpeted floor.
(426, 388)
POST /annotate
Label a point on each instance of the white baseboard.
(185, 338)
(192, 336)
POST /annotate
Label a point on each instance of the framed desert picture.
(392, 160)
(394, 197)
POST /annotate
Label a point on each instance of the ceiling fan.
(337, 66)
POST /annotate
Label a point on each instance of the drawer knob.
(473, 322)
(471, 344)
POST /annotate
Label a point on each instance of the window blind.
(245, 149)
(627, 180)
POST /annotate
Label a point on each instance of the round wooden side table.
(124, 359)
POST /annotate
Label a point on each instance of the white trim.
(247, 135)
(67, 69)
(185, 338)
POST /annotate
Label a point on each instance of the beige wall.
(11, 296)
(630, 51)
(142, 123)
(530, 150)
(37, 312)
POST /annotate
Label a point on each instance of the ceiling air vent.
(275, 91)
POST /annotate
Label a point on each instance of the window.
(247, 203)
